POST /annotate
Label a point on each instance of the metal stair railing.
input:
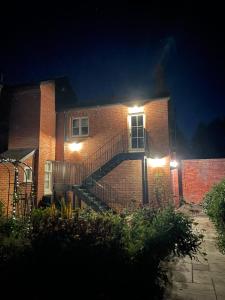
(66, 173)
(116, 145)
(106, 193)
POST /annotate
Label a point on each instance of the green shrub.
(214, 206)
(110, 255)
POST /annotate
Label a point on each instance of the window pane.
(75, 123)
(29, 174)
(140, 120)
(84, 130)
(134, 132)
(140, 143)
(134, 121)
(48, 178)
(140, 132)
(84, 122)
(46, 185)
(48, 166)
(75, 131)
(134, 143)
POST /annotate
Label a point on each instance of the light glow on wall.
(135, 109)
(75, 147)
(173, 164)
(157, 162)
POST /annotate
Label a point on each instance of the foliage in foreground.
(214, 206)
(103, 256)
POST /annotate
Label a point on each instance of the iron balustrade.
(105, 193)
(66, 173)
(118, 144)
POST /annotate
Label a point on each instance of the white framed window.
(80, 126)
(136, 123)
(27, 174)
(48, 178)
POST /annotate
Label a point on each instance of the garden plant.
(214, 206)
(92, 255)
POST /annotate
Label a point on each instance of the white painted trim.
(27, 156)
(130, 149)
(79, 135)
(48, 191)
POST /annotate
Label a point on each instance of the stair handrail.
(105, 154)
(116, 145)
(108, 194)
(76, 173)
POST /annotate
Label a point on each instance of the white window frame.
(48, 191)
(25, 178)
(130, 134)
(80, 127)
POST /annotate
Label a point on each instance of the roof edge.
(126, 103)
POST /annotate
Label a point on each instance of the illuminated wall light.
(173, 164)
(75, 147)
(135, 109)
(157, 162)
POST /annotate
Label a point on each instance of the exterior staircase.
(101, 196)
(92, 189)
(90, 199)
(113, 163)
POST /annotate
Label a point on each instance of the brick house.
(113, 155)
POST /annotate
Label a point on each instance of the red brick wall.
(60, 124)
(159, 184)
(198, 177)
(33, 125)
(47, 131)
(5, 178)
(126, 180)
(25, 119)
(157, 125)
(104, 123)
(175, 187)
(107, 121)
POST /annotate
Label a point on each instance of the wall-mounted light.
(75, 147)
(135, 109)
(157, 162)
(173, 164)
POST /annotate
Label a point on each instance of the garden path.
(201, 278)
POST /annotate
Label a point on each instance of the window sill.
(77, 136)
(47, 193)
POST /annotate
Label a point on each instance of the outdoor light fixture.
(173, 164)
(75, 147)
(135, 109)
(157, 162)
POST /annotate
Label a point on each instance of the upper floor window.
(80, 126)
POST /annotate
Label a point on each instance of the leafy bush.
(13, 238)
(103, 256)
(214, 206)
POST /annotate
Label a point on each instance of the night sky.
(112, 51)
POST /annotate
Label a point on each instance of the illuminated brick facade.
(35, 124)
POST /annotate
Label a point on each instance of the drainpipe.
(144, 181)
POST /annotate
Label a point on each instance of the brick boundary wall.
(199, 176)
